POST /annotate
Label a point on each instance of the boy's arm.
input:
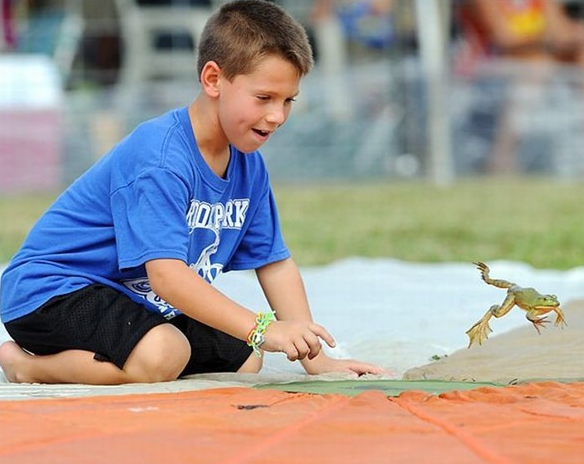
(282, 284)
(177, 284)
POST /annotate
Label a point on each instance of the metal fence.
(77, 75)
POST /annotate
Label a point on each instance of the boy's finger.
(291, 353)
(303, 349)
(314, 352)
(323, 333)
(313, 344)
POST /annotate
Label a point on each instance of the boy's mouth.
(262, 133)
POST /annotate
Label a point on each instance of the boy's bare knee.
(160, 356)
(252, 365)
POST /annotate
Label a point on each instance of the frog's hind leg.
(481, 330)
(485, 276)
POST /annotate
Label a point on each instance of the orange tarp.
(532, 423)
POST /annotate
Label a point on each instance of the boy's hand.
(357, 368)
(298, 339)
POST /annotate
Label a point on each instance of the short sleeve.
(149, 218)
(263, 242)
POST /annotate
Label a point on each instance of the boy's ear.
(210, 75)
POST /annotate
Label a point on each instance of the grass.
(537, 221)
(17, 215)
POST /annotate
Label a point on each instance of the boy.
(113, 284)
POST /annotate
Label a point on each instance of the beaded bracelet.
(256, 337)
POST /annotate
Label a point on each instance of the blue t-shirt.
(152, 196)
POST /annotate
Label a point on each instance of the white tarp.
(400, 314)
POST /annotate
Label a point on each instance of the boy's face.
(252, 106)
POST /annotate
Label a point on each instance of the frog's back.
(529, 298)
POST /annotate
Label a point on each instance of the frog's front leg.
(560, 321)
(535, 316)
(481, 330)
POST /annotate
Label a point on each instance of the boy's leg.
(94, 335)
(149, 361)
(73, 335)
(215, 351)
(252, 365)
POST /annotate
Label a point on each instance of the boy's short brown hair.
(243, 32)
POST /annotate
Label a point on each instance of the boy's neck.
(211, 141)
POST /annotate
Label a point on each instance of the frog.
(536, 305)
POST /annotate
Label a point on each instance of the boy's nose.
(276, 116)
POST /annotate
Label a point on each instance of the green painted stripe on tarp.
(388, 387)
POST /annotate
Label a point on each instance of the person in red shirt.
(533, 40)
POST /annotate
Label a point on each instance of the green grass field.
(537, 221)
(532, 220)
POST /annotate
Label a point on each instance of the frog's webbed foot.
(481, 266)
(484, 269)
(479, 332)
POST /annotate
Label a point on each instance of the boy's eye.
(268, 98)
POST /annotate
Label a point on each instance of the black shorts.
(106, 322)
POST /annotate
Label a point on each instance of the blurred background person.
(523, 29)
(529, 43)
